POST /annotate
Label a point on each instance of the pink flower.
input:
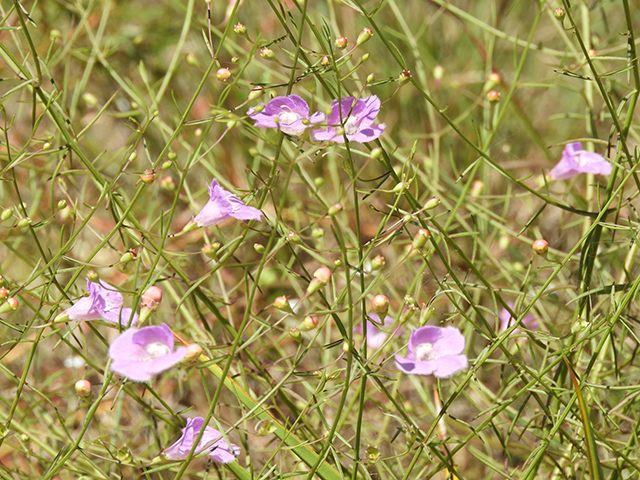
(575, 160)
(222, 206)
(104, 302)
(211, 441)
(506, 320)
(434, 351)
(286, 113)
(357, 116)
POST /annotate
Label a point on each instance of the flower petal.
(415, 368)
(449, 365)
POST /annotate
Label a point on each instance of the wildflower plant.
(354, 149)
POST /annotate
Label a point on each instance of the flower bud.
(267, 53)
(128, 256)
(240, 29)
(370, 78)
(373, 455)
(294, 238)
(495, 78)
(166, 165)
(151, 298)
(62, 204)
(211, 250)
(540, 246)
(24, 222)
(9, 305)
(409, 301)
(404, 76)
(378, 262)
(193, 352)
(55, 34)
(3, 281)
(476, 188)
(259, 248)
(223, 74)
(375, 153)
(322, 274)
(255, 93)
(425, 314)
(295, 333)
(192, 60)
(132, 156)
(4, 293)
(83, 388)
(6, 213)
(341, 42)
(310, 322)
(318, 182)
(168, 184)
(364, 57)
(282, 304)
(559, 14)
(380, 305)
(326, 61)
(317, 233)
(93, 276)
(335, 209)
(420, 239)
(438, 73)
(364, 36)
(432, 203)
(148, 176)
(592, 52)
(493, 96)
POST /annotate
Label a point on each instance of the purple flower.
(222, 206)
(575, 160)
(140, 354)
(286, 113)
(103, 302)
(434, 351)
(375, 336)
(212, 441)
(506, 320)
(357, 116)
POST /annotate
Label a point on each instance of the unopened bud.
(166, 165)
(192, 60)
(592, 52)
(6, 213)
(294, 238)
(364, 57)
(420, 239)
(432, 203)
(24, 222)
(559, 14)
(211, 250)
(128, 256)
(235, 59)
(223, 74)
(335, 209)
(409, 301)
(255, 93)
(317, 233)
(337, 263)
(495, 78)
(493, 96)
(370, 78)
(476, 188)
(148, 176)
(132, 156)
(380, 305)
(151, 298)
(258, 247)
(341, 42)
(282, 304)
(9, 305)
(540, 246)
(310, 322)
(378, 262)
(438, 73)
(93, 276)
(326, 61)
(318, 182)
(240, 29)
(83, 388)
(193, 352)
(404, 76)
(168, 184)
(62, 204)
(375, 153)
(295, 333)
(90, 99)
(323, 274)
(425, 314)
(4, 293)
(364, 36)
(55, 34)
(267, 53)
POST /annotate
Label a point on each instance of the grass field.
(445, 210)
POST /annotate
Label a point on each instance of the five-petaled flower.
(356, 116)
(103, 302)
(222, 206)
(212, 442)
(139, 354)
(434, 351)
(378, 332)
(290, 114)
(575, 160)
(506, 320)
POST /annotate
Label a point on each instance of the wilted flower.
(378, 332)
(212, 441)
(104, 303)
(290, 114)
(575, 160)
(434, 351)
(140, 354)
(222, 206)
(357, 116)
(506, 320)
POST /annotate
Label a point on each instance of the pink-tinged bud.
(295, 333)
(380, 305)
(151, 298)
(83, 388)
(211, 250)
(322, 274)
(148, 176)
(495, 78)
(592, 52)
(325, 61)
(310, 322)
(128, 256)
(432, 203)
(420, 239)
(341, 42)
(493, 96)
(476, 188)
(9, 305)
(193, 352)
(93, 276)
(364, 36)
(335, 209)
(282, 304)
(404, 76)
(168, 184)
(255, 93)
(4, 293)
(378, 262)
(540, 246)
(267, 53)
(223, 74)
(293, 237)
(240, 29)
(559, 13)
